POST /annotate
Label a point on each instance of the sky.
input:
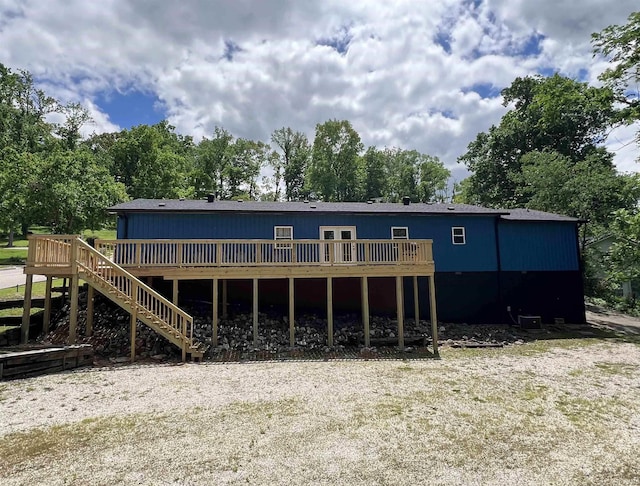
(423, 75)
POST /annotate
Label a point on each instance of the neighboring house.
(487, 265)
(603, 246)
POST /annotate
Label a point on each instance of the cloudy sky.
(422, 75)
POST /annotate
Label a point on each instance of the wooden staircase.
(140, 300)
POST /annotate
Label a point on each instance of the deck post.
(176, 290)
(90, 298)
(400, 307)
(73, 293)
(224, 299)
(214, 315)
(329, 311)
(73, 313)
(46, 318)
(134, 318)
(365, 311)
(416, 302)
(255, 312)
(292, 306)
(26, 310)
(434, 314)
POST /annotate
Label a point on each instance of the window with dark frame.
(399, 233)
(458, 236)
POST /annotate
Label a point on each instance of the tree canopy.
(555, 114)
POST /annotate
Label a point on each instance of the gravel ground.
(550, 412)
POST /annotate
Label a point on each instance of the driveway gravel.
(552, 412)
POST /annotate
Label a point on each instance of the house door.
(342, 252)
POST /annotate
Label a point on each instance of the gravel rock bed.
(111, 338)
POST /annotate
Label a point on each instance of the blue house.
(452, 262)
(490, 265)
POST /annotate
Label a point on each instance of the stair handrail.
(89, 259)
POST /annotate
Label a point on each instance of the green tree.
(295, 153)
(153, 161)
(247, 159)
(211, 166)
(23, 111)
(623, 260)
(421, 177)
(621, 44)
(590, 189)
(73, 191)
(334, 171)
(18, 176)
(76, 116)
(554, 114)
(375, 170)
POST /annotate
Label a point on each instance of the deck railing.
(50, 250)
(238, 253)
(147, 300)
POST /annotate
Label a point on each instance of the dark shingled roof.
(520, 214)
(199, 206)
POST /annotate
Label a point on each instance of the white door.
(342, 252)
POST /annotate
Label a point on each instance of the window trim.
(283, 246)
(393, 228)
(462, 234)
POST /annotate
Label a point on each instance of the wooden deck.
(221, 260)
(204, 259)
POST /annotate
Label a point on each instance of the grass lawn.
(4, 329)
(105, 234)
(16, 311)
(11, 256)
(38, 290)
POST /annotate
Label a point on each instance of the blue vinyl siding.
(477, 255)
(538, 246)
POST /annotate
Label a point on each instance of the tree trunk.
(10, 241)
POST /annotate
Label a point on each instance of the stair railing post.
(134, 318)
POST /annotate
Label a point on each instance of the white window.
(283, 233)
(458, 235)
(399, 233)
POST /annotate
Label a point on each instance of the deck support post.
(73, 313)
(292, 306)
(416, 302)
(176, 291)
(46, 318)
(224, 299)
(90, 298)
(255, 313)
(134, 318)
(365, 311)
(400, 308)
(434, 314)
(329, 311)
(26, 310)
(214, 315)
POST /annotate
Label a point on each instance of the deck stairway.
(131, 294)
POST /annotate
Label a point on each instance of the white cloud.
(395, 83)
